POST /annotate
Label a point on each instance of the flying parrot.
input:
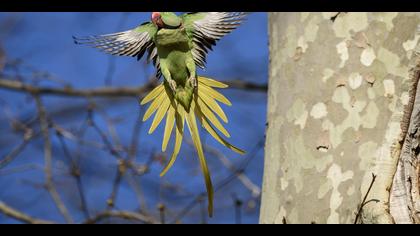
(177, 45)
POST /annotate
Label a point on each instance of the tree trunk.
(342, 107)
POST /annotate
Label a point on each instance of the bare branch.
(120, 214)
(11, 212)
(109, 91)
(71, 92)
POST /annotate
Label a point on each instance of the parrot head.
(166, 20)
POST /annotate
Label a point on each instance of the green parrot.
(177, 45)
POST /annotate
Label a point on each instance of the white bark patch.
(336, 177)
(355, 80)
(327, 74)
(283, 184)
(305, 160)
(386, 17)
(405, 98)
(367, 152)
(389, 88)
(392, 132)
(370, 118)
(351, 190)
(371, 93)
(410, 45)
(304, 16)
(392, 63)
(327, 125)
(293, 216)
(368, 56)
(324, 189)
(322, 163)
(341, 95)
(350, 22)
(290, 45)
(353, 120)
(309, 35)
(311, 28)
(298, 113)
(343, 51)
(319, 110)
(302, 44)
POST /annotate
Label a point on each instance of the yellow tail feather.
(204, 106)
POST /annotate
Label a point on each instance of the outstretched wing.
(134, 43)
(205, 28)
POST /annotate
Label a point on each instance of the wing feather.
(133, 43)
(207, 27)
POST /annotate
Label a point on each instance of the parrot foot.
(172, 84)
(193, 81)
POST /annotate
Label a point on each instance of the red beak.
(155, 17)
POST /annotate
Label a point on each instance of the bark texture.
(340, 92)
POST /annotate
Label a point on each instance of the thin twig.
(359, 212)
(16, 151)
(75, 172)
(48, 161)
(135, 185)
(115, 186)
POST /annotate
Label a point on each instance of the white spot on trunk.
(368, 56)
(343, 51)
(405, 98)
(319, 111)
(370, 118)
(302, 43)
(371, 93)
(389, 88)
(351, 190)
(392, 62)
(283, 183)
(336, 177)
(411, 44)
(298, 113)
(355, 80)
(367, 152)
(327, 74)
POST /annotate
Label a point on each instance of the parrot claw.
(172, 84)
(193, 81)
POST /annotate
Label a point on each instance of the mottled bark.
(340, 90)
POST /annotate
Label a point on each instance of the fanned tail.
(204, 107)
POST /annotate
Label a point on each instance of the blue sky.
(43, 42)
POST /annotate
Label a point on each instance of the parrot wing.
(135, 43)
(205, 28)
